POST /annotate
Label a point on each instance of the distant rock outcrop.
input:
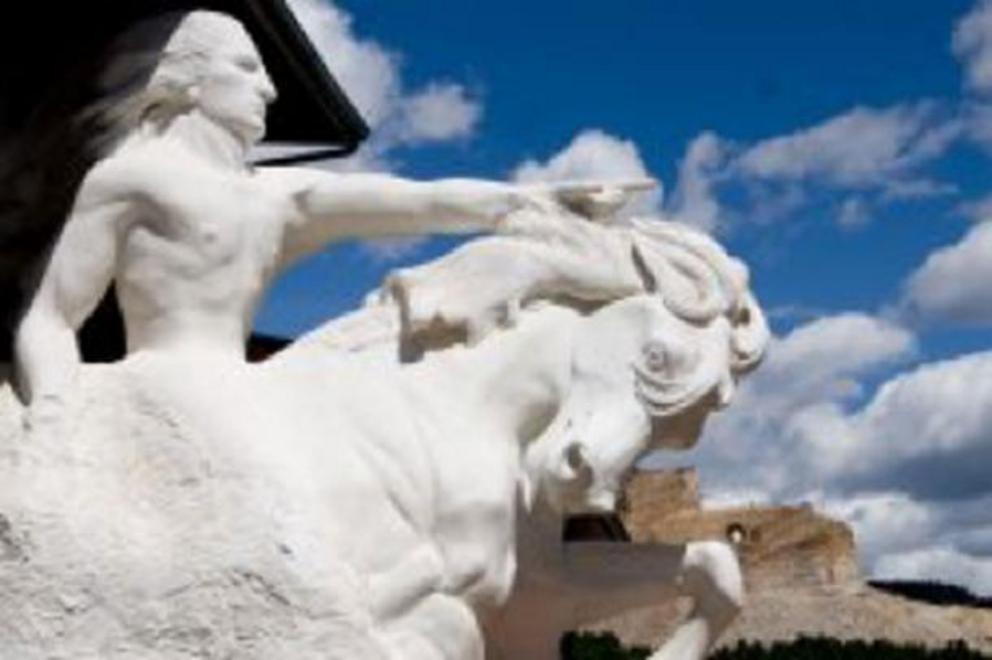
(785, 546)
(800, 568)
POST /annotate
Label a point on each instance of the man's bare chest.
(212, 221)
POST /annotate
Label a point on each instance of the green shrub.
(605, 646)
(598, 646)
(824, 648)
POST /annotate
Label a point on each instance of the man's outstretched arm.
(331, 206)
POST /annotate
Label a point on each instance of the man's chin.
(250, 133)
(253, 135)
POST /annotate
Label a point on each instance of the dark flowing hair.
(142, 76)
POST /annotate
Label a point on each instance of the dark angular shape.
(41, 43)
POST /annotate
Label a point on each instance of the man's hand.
(597, 200)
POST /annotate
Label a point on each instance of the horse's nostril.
(579, 468)
(574, 457)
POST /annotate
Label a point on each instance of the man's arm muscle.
(331, 206)
(77, 275)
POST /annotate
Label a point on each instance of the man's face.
(235, 88)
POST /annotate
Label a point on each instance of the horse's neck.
(516, 377)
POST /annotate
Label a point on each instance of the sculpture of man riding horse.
(377, 489)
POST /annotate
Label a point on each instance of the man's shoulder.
(292, 180)
(118, 174)
(135, 173)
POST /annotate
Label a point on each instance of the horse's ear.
(643, 270)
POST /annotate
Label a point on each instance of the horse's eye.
(655, 356)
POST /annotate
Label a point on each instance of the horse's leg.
(712, 577)
(439, 627)
(529, 626)
(604, 579)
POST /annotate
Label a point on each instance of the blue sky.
(843, 149)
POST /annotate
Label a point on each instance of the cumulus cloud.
(694, 201)
(440, 112)
(905, 464)
(885, 524)
(972, 43)
(870, 157)
(952, 284)
(820, 360)
(757, 443)
(942, 564)
(977, 119)
(978, 209)
(903, 538)
(862, 148)
(854, 212)
(925, 432)
(908, 469)
(593, 155)
(371, 76)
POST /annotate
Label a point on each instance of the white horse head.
(641, 329)
(647, 369)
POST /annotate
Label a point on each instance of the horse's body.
(362, 498)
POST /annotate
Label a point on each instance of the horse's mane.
(567, 260)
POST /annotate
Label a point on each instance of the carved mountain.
(800, 569)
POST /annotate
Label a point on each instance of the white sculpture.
(358, 495)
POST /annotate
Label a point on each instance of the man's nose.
(267, 89)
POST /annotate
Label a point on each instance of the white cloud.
(694, 200)
(370, 74)
(366, 70)
(862, 148)
(440, 112)
(910, 468)
(978, 210)
(817, 362)
(594, 155)
(941, 564)
(937, 411)
(905, 469)
(812, 373)
(924, 432)
(972, 43)
(953, 283)
(978, 123)
(854, 212)
(873, 156)
(392, 249)
(885, 524)
(902, 538)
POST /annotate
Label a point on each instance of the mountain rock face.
(800, 570)
(780, 546)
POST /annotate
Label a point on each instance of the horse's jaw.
(579, 464)
(682, 431)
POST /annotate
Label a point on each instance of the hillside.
(800, 572)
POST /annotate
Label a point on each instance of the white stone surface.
(364, 493)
